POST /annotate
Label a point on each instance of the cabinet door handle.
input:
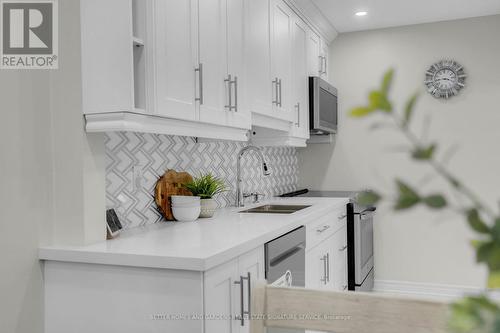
(327, 267)
(275, 88)
(325, 227)
(242, 298)
(297, 106)
(320, 71)
(324, 269)
(249, 300)
(344, 287)
(200, 82)
(235, 82)
(229, 87)
(343, 248)
(279, 82)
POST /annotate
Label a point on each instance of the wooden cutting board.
(171, 183)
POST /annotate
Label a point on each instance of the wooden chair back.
(344, 312)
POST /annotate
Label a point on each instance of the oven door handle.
(285, 255)
(366, 215)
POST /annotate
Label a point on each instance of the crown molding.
(315, 18)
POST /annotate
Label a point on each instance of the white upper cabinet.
(107, 76)
(237, 99)
(221, 57)
(324, 59)
(205, 68)
(176, 59)
(212, 59)
(300, 127)
(281, 54)
(258, 57)
(317, 56)
(314, 59)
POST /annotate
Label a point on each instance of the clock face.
(445, 79)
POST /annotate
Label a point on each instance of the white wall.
(416, 246)
(51, 175)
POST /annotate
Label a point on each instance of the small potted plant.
(206, 187)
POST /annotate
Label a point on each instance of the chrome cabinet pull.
(324, 269)
(279, 82)
(320, 71)
(325, 227)
(228, 86)
(327, 267)
(242, 298)
(297, 106)
(199, 70)
(343, 248)
(249, 300)
(235, 82)
(275, 86)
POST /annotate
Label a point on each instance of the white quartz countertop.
(198, 245)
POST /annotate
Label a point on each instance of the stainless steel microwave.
(323, 114)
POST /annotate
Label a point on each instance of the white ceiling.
(392, 13)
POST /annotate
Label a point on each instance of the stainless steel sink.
(275, 209)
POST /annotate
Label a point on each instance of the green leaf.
(483, 250)
(476, 223)
(206, 186)
(368, 198)
(424, 153)
(495, 231)
(361, 111)
(435, 201)
(410, 104)
(488, 252)
(494, 280)
(387, 81)
(407, 196)
(378, 101)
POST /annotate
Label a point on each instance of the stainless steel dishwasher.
(286, 263)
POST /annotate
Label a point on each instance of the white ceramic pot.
(184, 200)
(208, 207)
(186, 213)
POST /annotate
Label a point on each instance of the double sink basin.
(275, 209)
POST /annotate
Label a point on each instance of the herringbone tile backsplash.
(149, 155)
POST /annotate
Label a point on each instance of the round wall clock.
(445, 79)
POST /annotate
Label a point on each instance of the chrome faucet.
(265, 172)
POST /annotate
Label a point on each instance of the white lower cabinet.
(326, 255)
(227, 291)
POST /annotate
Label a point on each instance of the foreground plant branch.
(472, 314)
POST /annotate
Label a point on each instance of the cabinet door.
(316, 266)
(313, 54)
(281, 55)
(176, 58)
(258, 57)
(250, 263)
(239, 116)
(339, 260)
(107, 80)
(324, 54)
(300, 127)
(213, 58)
(221, 298)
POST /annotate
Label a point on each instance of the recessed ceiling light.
(363, 13)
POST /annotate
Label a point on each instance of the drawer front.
(325, 226)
